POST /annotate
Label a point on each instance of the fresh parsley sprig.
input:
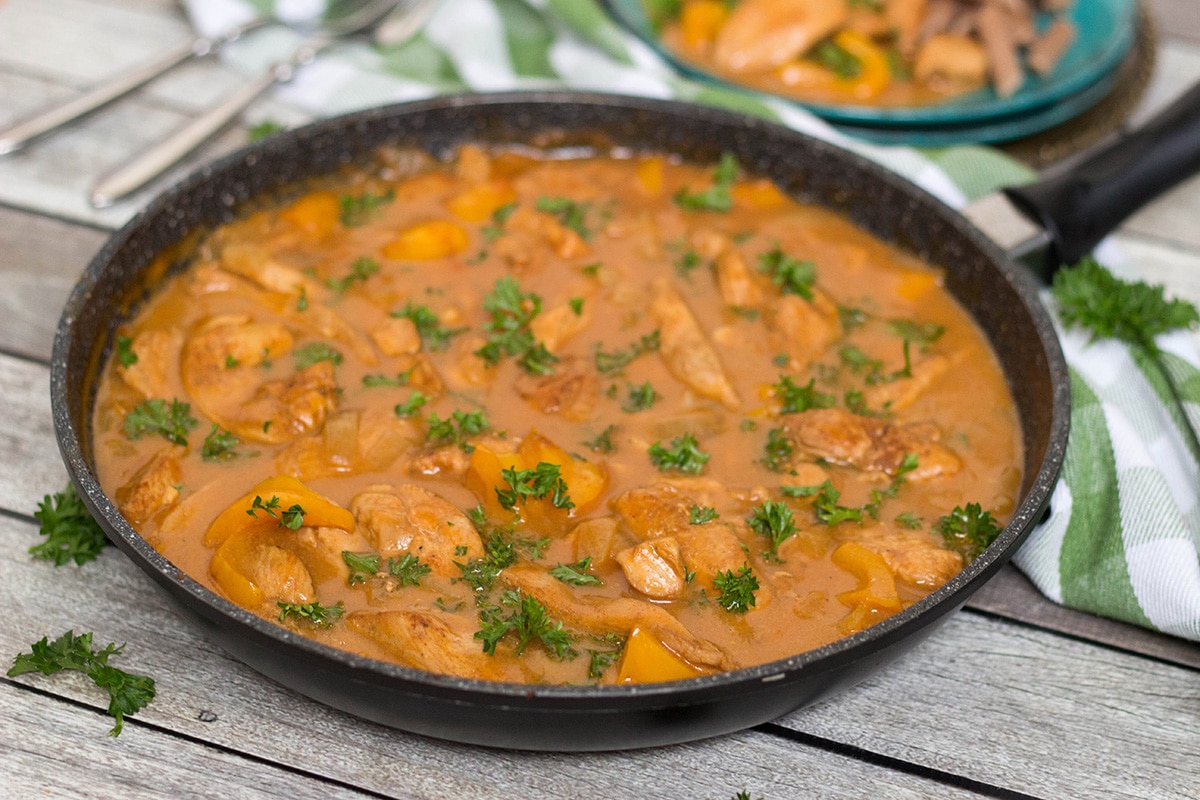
(71, 532)
(1090, 296)
(172, 422)
(969, 530)
(128, 693)
(716, 197)
(684, 455)
(736, 589)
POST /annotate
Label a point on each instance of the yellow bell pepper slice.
(646, 660)
(319, 511)
(874, 72)
(649, 173)
(424, 241)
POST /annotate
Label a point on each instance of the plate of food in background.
(984, 70)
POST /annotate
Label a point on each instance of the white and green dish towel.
(1123, 538)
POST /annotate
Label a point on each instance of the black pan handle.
(1081, 206)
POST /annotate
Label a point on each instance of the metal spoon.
(343, 20)
(26, 130)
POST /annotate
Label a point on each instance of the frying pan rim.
(940, 603)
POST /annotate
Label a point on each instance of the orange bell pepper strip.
(876, 597)
(319, 511)
(481, 201)
(700, 20)
(316, 213)
(647, 660)
(425, 241)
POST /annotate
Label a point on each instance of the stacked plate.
(1084, 76)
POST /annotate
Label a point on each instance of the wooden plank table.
(1015, 697)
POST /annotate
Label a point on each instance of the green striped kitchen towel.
(1123, 536)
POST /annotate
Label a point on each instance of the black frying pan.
(1001, 297)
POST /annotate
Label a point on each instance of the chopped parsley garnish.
(407, 570)
(717, 196)
(829, 511)
(852, 318)
(154, 416)
(773, 520)
(794, 399)
(907, 465)
(908, 520)
(362, 566)
(777, 451)
(219, 445)
(736, 589)
(312, 613)
(544, 480)
(789, 275)
(315, 352)
(684, 455)
(128, 693)
(600, 661)
(125, 353)
(528, 621)
(570, 213)
(603, 442)
(923, 333)
(688, 260)
(508, 330)
(500, 216)
(268, 507)
(858, 361)
(378, 380)
(360, 209)
(1091, 297)
(576, 305)
(968, 530)
(640, 398)
(616, 361)
(292, 517)
(261, 130)
(71, 532)
(429, 327)
(412, 405)
(498, 553)
(360, 270)
(457, 429)
(576, 574)
(837, 59)
(700, 515)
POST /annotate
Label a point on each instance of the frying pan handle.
(1081, 206)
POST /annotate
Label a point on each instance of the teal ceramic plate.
(1106, 28)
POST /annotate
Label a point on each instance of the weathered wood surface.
(1013, 697)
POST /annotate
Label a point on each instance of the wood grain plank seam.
(50, 215)
(1034, 626)
(131, 721)
(889, 762)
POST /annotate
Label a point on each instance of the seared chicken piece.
(735, 279)
(655, 568)
(409, 519)
(554, 326)
(153, 487)
(279, 574)
(913, 557)
(572, 391)
(220, 370)
(687, 353)
(901, 392)
(601, 615)
(397, 336)
(761, 35)
(157, 352)
(430, 640)
(868, 443)
(803, 329)
(654, 511)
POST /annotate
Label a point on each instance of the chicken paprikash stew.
(557, 420)
(869, 52)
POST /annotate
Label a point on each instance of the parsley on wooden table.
(72, 534)
(128, 693)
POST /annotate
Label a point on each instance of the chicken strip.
(687, 353)
(410, 519)
(868, 443)
(761, 35)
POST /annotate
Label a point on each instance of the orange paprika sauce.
(613, 419)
